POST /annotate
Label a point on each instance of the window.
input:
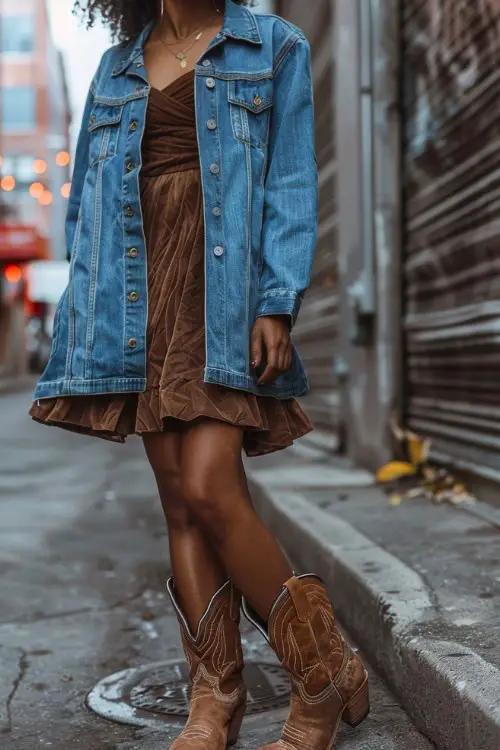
(19, 166)
(18, 109)
(23, 170)
(17, 33)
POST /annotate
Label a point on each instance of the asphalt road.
(83, 563)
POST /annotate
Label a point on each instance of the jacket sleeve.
(290, 223)
(80, 168)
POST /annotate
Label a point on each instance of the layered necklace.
(181, 55)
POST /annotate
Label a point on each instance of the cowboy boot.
(215, 658)
(329, 682)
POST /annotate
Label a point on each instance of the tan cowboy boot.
(215, 658)
(329, 682)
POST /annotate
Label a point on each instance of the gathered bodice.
(170, 142)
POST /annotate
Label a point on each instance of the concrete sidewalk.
(417, 585)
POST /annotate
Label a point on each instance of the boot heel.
(235, 725)
(358, 707)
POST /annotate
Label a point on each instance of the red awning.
(20, 242)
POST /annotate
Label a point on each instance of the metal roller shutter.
(452, 226)
(316, 330)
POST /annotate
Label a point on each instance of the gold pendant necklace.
(182, 55)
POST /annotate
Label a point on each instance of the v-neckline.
(172, 83)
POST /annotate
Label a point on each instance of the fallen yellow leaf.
(395, 470)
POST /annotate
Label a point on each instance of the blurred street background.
(394, 498)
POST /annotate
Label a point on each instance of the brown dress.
(172, 204)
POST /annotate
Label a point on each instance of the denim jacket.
(255, 127)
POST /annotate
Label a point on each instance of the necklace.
(181, 55)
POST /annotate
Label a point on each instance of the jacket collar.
(239, 23)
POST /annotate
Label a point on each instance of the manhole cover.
(159, 693)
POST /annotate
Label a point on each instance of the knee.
(176, 510)
(207, 505)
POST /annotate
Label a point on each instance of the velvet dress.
(172, 206)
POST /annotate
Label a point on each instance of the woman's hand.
(271, 341)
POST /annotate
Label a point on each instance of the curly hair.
(125, 18)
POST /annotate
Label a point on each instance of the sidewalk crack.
(22, 670)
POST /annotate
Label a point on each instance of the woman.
(191, 227)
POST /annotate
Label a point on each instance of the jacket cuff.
(279, 303)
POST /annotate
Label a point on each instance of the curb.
(451, 694)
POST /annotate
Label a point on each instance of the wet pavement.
(83, 564)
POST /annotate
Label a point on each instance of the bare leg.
(197, 571)
(215, 490)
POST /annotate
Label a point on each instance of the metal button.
(132, 343)
(133, 296)
(129, 211)
(210, 82)
(214, 168)
(216, 211)
(130, 166)
(133, 252)
(93, 119)
(206, 63)
(218, 251)
(257, 101)
(211, 124)
(134, 125)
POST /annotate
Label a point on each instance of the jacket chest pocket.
(104, 128)
(250, 104)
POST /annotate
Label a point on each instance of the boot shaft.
(215, 648)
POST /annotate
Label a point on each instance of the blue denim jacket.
(259, 182)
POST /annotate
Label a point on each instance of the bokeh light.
(13, 274)
(39, 166)
(66, 189)
(8, 183)
(36, 189)
(62, 159)
(46, 198)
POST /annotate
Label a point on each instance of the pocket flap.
(253, 95)
(103, 115)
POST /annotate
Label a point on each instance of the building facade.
(407, 140)
(349, 329)
(35, 120)
(34, 161)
